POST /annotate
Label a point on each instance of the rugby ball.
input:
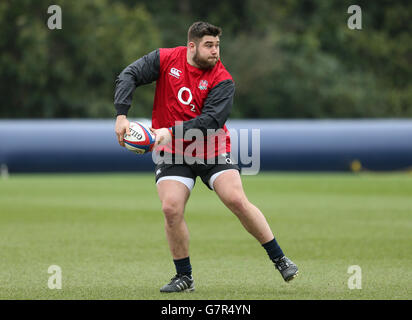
(140, 140)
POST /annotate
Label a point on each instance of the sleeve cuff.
(122, 109)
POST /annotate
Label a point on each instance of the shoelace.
(282, 264)
(175, 278)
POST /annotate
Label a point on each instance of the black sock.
(183, 266)
(273, 250)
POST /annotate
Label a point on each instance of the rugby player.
(193, 91)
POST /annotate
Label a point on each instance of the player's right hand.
(121, 128)
(162, 136)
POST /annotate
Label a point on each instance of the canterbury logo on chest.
(175, 73)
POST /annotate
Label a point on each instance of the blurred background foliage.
(289, 58)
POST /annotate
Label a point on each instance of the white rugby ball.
(140, 140)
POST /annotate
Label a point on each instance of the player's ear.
(191, 45)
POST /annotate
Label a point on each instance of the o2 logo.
(189, 96)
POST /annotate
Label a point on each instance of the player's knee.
(237, 203)
(172, 211)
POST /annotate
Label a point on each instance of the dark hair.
(200, 29)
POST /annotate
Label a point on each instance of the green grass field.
(106, 233)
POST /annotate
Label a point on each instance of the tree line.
(289, 59)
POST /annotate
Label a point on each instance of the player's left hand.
(162, 135)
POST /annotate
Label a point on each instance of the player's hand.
(121, 127)
(162, 136)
